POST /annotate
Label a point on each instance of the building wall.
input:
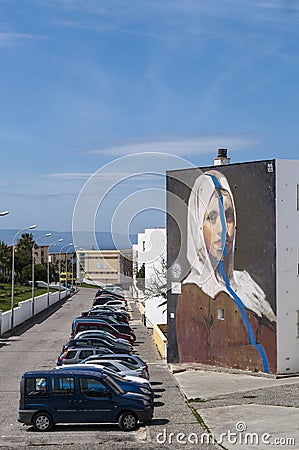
(104, 266)
(287, 227)
(222, 301)
(150, 251)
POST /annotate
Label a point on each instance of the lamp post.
(72, 262)
(67, 245)
(33, 258)
(13, 271)
(48, 270)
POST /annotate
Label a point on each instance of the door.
(63, 401)
(97, 402)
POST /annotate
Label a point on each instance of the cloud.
(177, 146)
(69, 175)
(9, 39)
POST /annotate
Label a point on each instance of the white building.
(151, 251)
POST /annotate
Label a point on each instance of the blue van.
(48, 397)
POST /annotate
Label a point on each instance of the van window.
(35, 386)
(62, 386)
(92, 387)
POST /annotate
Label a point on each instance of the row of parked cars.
(98, 377)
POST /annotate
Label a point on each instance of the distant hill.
(87, 240)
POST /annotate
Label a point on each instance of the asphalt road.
(38, 346)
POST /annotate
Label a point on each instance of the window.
(62, 386)
(70, 354)
(85, 354)
(92, 387)
(35, 386)
(220, 314)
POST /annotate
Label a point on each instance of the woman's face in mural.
(212, 226)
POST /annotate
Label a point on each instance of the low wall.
(160, 339)
(23, 311)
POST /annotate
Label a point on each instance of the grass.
(86, 285)
(21, 293)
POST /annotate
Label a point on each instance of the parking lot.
(38, 348)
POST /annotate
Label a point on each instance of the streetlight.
(67, 245)
(72, 262)
(33, 258)
(48, 270)
(4, 213)
(13, 271)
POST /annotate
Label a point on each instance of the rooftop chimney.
(222, 158)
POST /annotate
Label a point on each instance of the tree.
(140, 278)
(156, 286)
(5, 261)
(23, 257)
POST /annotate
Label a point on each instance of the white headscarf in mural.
(204, 273)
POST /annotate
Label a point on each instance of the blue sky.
(85, 82)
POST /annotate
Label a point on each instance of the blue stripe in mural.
(240, 305)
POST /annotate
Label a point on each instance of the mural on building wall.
(224, 316)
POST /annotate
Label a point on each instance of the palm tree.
(23, 257)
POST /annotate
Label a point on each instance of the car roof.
(41, 373)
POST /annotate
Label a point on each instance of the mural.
(223, 315)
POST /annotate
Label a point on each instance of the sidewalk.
(172, 415)
(242, 403)
(251, 412)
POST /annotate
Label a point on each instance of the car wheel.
(43, 421)
(127, 421)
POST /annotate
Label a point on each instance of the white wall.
(287, 281)
(24, 311)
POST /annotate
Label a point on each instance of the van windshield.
(117, 389)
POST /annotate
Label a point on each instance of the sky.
(86, 84)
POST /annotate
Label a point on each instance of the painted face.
(212, 226)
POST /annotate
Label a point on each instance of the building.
(233, 260)
(41, 254)
(105, 266)
(62, 257)
(150, 251)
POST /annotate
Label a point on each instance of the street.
(38, 348)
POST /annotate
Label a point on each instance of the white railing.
(23, 311)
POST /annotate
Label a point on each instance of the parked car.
(107, 292)
(121, 327)
(120, 312)
(126, 384)
(98, 341)
(99, 334)
(132, 359)
(54, 396)
(109, 301)
(85, 323)
(121, 367)
(75, 355)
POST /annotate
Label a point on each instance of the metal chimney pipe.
(222, 158)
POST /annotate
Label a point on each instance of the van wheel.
(127, 421)
(43, 421)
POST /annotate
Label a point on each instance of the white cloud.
(69, 176)
(8, 39)
(178, 146)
